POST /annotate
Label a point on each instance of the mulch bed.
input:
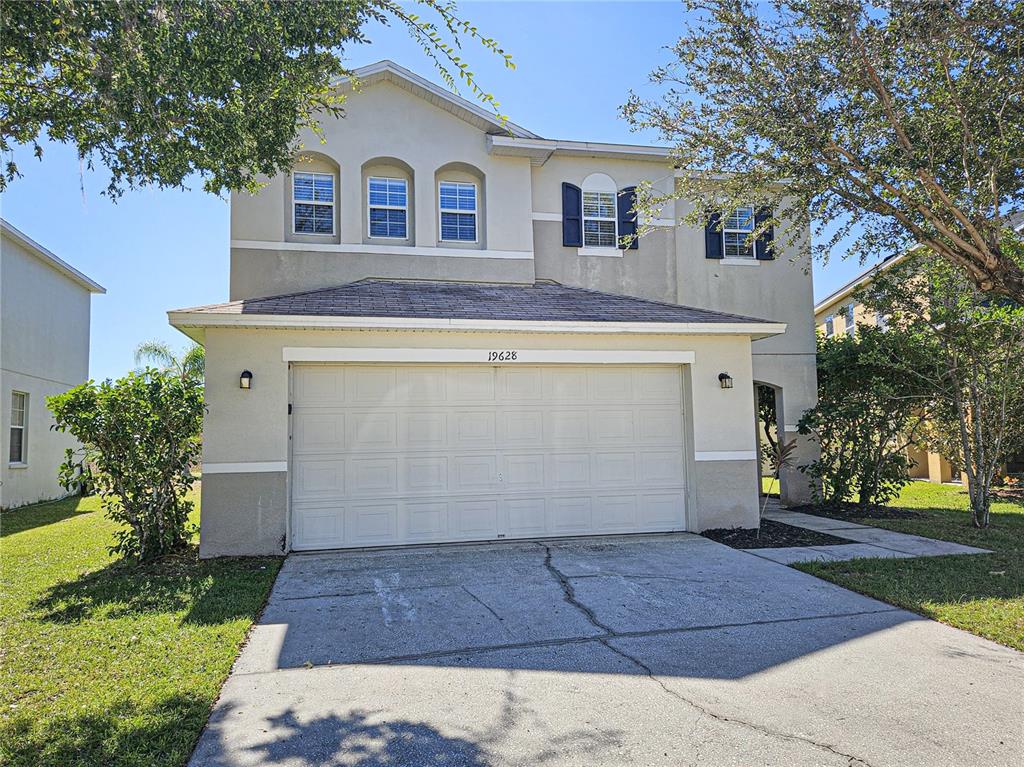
(773, 535)
(851, 511)
(1015, 494)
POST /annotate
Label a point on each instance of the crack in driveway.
(569, 595)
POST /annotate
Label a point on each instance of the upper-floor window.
(830, 326)
(457, 204)
(882, 321)
(19, 413)
(313, 203)
(736, 231)
(599, 220)
(389, 207)
(848, 320)
(600, 212)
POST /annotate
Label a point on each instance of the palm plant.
(780, 457)
(190, 366)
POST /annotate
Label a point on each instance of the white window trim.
(849, 321)
(369, 207)
(475, 212)
(830, 320)
(747, 232)
(614, 219)
(23, 462)
(334, 195)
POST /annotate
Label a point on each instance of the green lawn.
(104, 664)
(983, 594)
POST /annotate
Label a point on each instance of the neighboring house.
(840, 313)
(44, 350)
(432, 335)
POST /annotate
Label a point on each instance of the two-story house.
(436, 333)
(44, 350)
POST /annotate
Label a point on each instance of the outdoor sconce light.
(725, 380)
(245, 380)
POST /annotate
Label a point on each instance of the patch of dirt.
(773, 535)
(851, 511)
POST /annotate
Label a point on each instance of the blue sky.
(158, 250)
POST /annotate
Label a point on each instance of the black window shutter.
(627, 218)
(713, 238)
(572, 216)
(764, 249)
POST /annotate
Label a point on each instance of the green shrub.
(140, 436)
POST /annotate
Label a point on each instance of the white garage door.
(385, 455)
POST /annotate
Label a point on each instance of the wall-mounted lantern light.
(725, 380)
(245, 380)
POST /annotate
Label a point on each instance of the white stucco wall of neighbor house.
(246, 433)
(44, 350)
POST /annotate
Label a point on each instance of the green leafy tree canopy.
(892, 123)
(157, 90)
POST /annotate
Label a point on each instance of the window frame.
(22, 427)
(331, 204)
(746, 232)
(614, 218)
(830, 326)
(441, 210)
(369, 208)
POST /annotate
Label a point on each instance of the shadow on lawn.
(208, 591)
(39, 515)
(124, 734)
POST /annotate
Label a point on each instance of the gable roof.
(389, 71)
(50, 259)
(430, 304)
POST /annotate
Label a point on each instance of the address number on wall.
(502, 356)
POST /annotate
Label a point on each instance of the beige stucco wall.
(44, 350)
(245, 512)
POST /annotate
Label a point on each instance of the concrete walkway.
(865, 541)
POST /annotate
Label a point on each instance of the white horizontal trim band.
(605, 252)
(247, 467)
(726, 455)
(190, 319)
(537, 216)
(482, 356)
(383, 250)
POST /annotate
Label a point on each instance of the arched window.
(600, 212)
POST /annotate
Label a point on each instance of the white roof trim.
(50, 258)
(192, 319)
(539, 150)
(389, 70)
(850, 287)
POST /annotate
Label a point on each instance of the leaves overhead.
(157, 90)
(897, 123)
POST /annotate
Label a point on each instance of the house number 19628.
(505, 356)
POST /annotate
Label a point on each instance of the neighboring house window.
(313, 202)
(850, 325)
(388, 198)
(882, 321)
(830, 326)
(600, 219)
(19, 413)
(736, 231)
(457, 203)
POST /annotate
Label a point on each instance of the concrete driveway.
(653, 650)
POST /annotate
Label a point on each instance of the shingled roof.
(541, 302)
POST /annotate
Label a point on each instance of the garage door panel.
(427, 521)
(372, 476)
(567, 428)
(526, 517)
(570, 515)
(371, 431)
(425, 475)
(319, 478)
(615, 513)
(385, 455)
(314, 432)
